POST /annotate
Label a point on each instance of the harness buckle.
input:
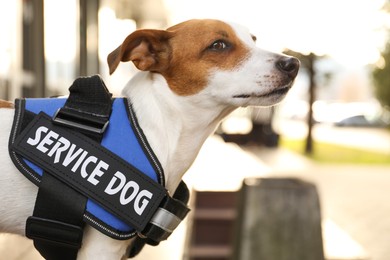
(80, 121)
(54, 232)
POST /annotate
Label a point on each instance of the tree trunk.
(310, 121)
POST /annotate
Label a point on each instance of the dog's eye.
(218, 45)
(254, 38)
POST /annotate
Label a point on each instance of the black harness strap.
(57, 222)
(88, 107)
(154, 233)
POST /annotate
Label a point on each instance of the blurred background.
(342, 45)
(332, 129)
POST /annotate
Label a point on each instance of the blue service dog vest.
(122, 137)
(92, 163)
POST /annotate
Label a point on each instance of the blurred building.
(46, 44)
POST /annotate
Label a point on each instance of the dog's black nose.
(288, 65)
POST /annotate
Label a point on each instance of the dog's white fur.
(175, 122)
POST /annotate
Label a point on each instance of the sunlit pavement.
(354, 198)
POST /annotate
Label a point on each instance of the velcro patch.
(91, 169)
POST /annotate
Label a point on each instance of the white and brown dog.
(193, 75)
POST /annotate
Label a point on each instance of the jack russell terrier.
(192, 75)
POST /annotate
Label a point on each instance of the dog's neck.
(175, 126)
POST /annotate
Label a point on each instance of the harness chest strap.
(58, 147)
(57, 222)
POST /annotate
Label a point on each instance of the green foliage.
(332, 153)
(381, 78)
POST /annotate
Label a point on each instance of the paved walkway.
(356, 198)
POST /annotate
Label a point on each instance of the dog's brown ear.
(6, 104)
(147, 49)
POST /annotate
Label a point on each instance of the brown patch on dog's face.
(198, 48)
(185, 54)
(6, 104)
